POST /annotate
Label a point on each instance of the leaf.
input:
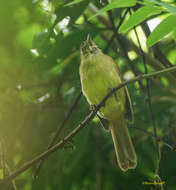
(170, 8)
(164, 28)
(115, 4)
(63, 11)
(73, 3)
(140, 15)
(68, 95)
(71, 41)
(41, 42)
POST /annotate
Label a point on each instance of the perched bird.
(98, 74)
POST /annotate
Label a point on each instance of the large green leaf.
(164, 28)
(170, 8)
(63, 11)
(115, 4)
(140, 15)
(71, 41)
(41, 42)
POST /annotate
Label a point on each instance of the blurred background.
(39, 82)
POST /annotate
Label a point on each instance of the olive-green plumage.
(98, 74)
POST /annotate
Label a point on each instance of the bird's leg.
(93, 107)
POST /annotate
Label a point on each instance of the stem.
(86, 121)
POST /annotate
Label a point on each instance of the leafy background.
(39, 81)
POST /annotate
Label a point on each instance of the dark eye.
(83, 48)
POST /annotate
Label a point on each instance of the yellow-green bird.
(99, 73)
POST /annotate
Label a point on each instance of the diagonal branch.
(152, 116)
(59, 130)
(124, 52)
(86, 121)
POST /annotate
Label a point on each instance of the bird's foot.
(93, 107)
(111, 89)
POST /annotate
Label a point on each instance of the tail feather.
(125, 153)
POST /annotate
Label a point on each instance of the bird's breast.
(97, 77)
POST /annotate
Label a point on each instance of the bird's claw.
(93, 107)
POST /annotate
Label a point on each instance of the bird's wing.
(129, 108)
(128, 104)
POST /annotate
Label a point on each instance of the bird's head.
(88, 48)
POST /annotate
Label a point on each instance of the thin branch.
(156, 49)
(5, 166)
(150, 105)
(86, 121)
(58, 132)
(154, 63)
(153, 136)
(124, 52)
(113, 35)
(147, 86)
(98, 140)
(36, 173)
(94, 9)
(129, 45)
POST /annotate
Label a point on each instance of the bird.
(98, 74)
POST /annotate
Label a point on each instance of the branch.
(154, 137)
(113, 35)
(156, 48)
(123, 50)
(86, 121)
(60, 128)
(152, 116)
(129, 44)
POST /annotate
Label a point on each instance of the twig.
(5, 166)
(58, 132)
(157, 52)
(154, 63)
(98, 140)
(152, 136)
(94, 9)
(125, 55)
(129, 45)
(36, 172)
(90, 116)
(150, 105)
(113, 35)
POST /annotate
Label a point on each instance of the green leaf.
(73, 3)
(41, 42)
(164, 28)
(115, 4)
(164, 81)
(140, 15)
(63, 11)
(174, 34)
(170, 8)
(71, 41)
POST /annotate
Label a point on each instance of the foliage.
(39, 74)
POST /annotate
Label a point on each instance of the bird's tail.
(125, 153)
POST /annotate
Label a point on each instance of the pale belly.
(96, 83)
